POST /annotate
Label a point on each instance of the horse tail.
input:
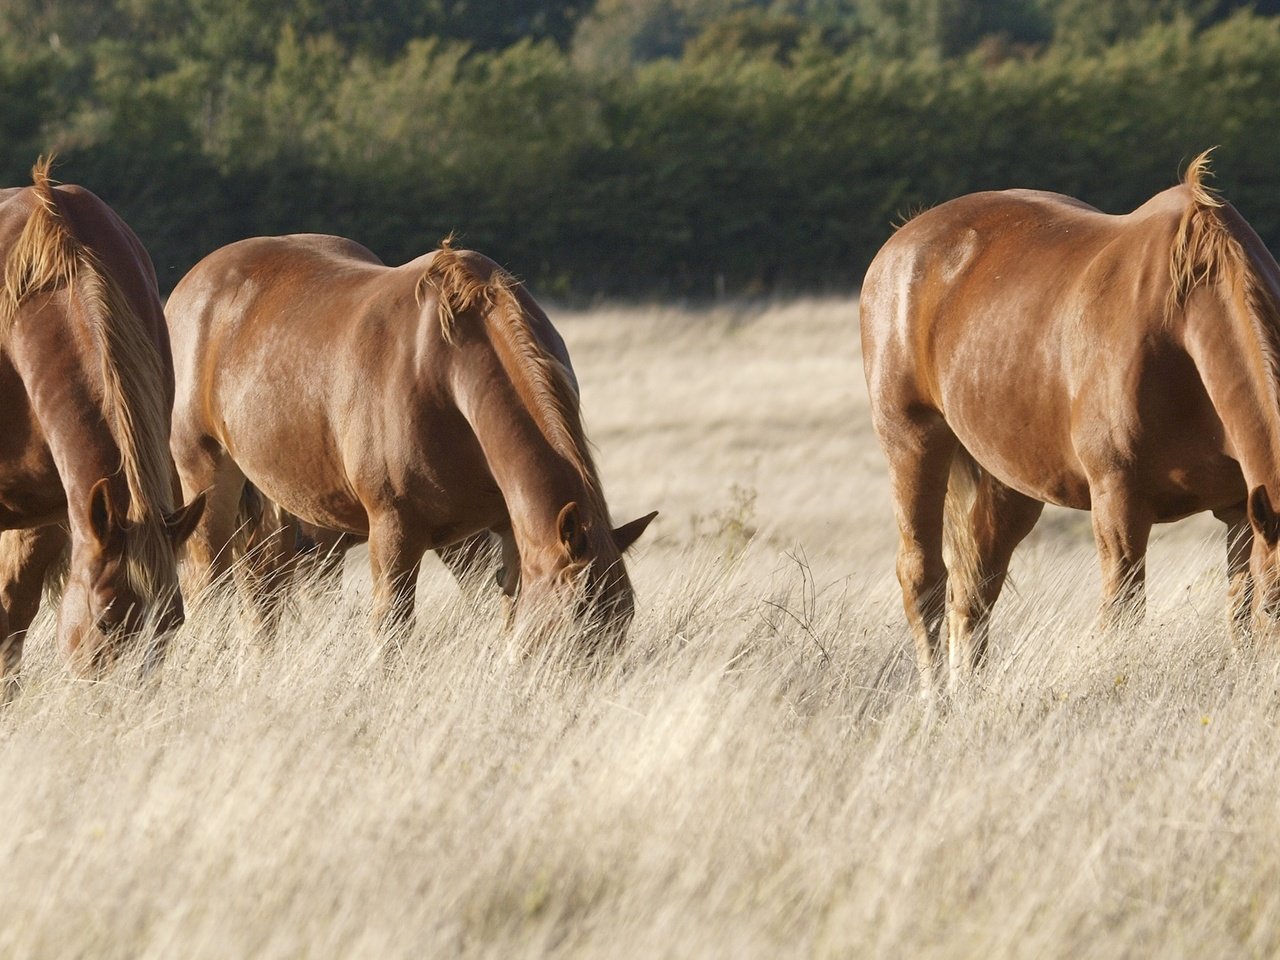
(248, 526)
(958, 543)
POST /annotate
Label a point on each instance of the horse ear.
(103, 517)
(182, 522)
(1262, 516)
(627, 534)
(573, 533)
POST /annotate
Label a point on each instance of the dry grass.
(753, 777)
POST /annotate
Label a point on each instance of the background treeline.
(628, 146)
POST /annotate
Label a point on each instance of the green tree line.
(639, 147)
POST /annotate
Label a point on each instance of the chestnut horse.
(414, 405)
(86, 385)
(272, 545)
(1034, 350)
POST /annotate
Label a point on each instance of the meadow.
(752, 776)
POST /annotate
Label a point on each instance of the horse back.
(308, 288)
(1018, 279)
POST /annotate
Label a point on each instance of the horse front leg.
(26, 557)
(395, 556)
(206, 557)
(473, 562)
(1121, 530)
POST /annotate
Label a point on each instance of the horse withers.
(414, 406)
(86, 386)
(1028, 349)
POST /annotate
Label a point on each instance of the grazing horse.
(86, 386)
(414, 406)
(272, 545)
(1029, 349)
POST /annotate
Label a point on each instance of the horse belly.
(443, 480)
(1014, 417)
(1032, 460)
(31, 490)
(290, 453)
(1163, 439)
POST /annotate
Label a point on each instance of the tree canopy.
(628, 145)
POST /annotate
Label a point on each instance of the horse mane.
(48, 257)
(541, 379)
(1206, 250)
(1203, 247)
(905, 215)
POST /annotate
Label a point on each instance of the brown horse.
(1035, 351)
(273, 546)
(86, 385)
(414, 405)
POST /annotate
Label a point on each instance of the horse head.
(122, 575)
(579, 581)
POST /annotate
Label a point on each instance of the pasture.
(753, 776)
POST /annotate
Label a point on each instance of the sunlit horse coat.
(1035, 350)
(86, 385)
(413, 405)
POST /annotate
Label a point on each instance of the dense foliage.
(628, 145)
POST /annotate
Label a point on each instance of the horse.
(86, 383)
(414, 406)
(273, 547)
(1023, 348)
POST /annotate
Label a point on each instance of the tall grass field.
(754, 774)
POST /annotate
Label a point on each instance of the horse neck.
(59, 365)
(536, 480)
(1234, 346)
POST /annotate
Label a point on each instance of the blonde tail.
(958, 545)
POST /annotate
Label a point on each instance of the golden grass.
(752, 777)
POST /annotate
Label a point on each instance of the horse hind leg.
(982, 540)
(919, 449)
(26, 557)
(267, 551)
(324, 565)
